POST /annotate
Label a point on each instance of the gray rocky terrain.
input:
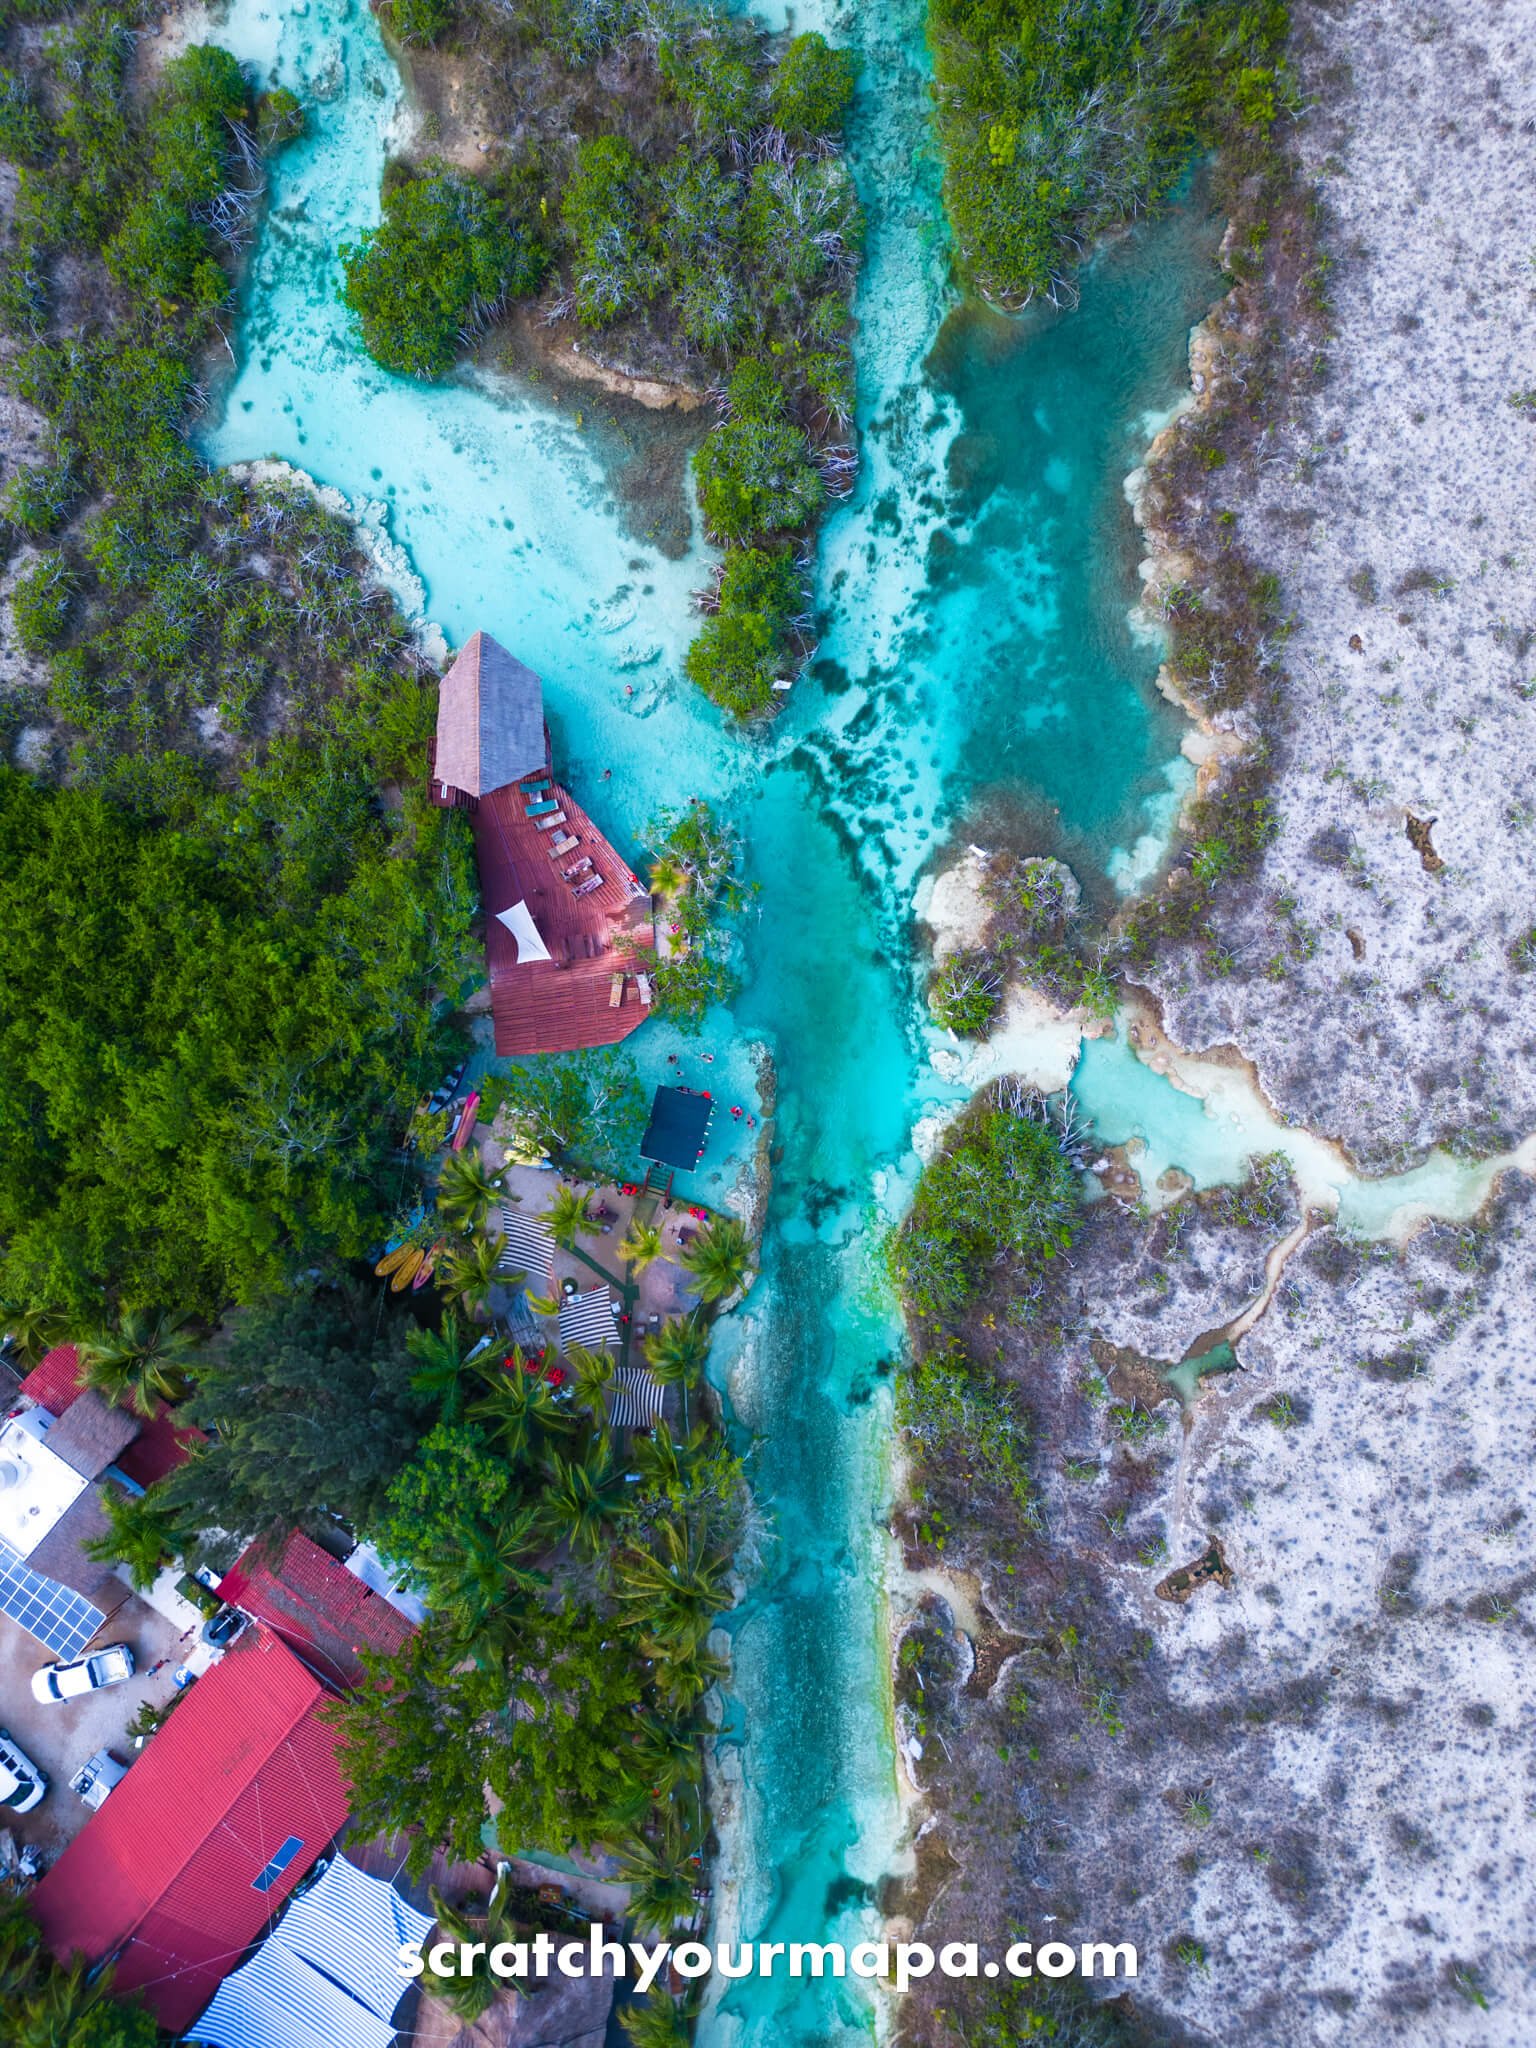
(1253, 1687)
(1398, 508)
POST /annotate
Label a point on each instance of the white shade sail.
(519, 922)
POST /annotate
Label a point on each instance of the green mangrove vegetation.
(445, 259)
(164, 606)
(999, 1199)
(700, 218)
(1060, 119)
(219, 1008)
(696, 872)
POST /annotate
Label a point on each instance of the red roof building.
(556, 895)
(318, 1608)
(189, 1861)
(160, 1444)
(54, 1381)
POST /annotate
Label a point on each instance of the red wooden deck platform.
(563, 1003)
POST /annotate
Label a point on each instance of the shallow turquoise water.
(975, 644)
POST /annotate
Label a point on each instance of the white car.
(22, 1784)
(85, 1674)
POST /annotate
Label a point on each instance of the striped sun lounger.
(563, 845)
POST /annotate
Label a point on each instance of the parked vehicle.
(72, 1681)
(96, 1777)
(222, 1628)
(22, 1784)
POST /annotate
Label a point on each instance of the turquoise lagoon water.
(975, 652)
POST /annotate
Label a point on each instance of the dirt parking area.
(59, 1737)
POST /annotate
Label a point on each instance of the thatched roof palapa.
(490, 720)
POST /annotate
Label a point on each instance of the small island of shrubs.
(700, 210)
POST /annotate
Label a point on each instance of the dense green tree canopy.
(546, 1733)
(755, 471)
(446, 252)
(311, 1395)
(1060, 118)
(606, 207)
(1001, 1193)
(454, 1481)
(212, 1027)
(812, 86)
(747, 645)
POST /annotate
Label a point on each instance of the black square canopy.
(675, 1134)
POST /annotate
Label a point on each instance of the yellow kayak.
(392, 1259)
(405, 1272)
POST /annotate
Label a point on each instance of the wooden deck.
(565, 1002)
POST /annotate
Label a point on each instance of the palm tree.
(666, 1753)
(684, 1673)
(667, 874)
(642, 1246)
(470, 1996)
(676, 1354)
(467, 1272)
(141, 1362)
(480, 1582)
(591, 1377)
(660, 2020)
(677, 1351)
(34, 1331)
(665, 1465)
(662, 1877)
(440, 1377)
(59, 2006)
(20, 1948)
(673, 1592)
(567, 1217)
(719, 1258)
(584, 1497)
(518, 1408)
(143, 1533)
(466, 1190)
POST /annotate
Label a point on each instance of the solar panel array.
(59, 1617)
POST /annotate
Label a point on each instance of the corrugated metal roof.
(55, 1380)
(164, 1875)
(316, 1605)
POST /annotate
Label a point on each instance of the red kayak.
(465, 1124)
